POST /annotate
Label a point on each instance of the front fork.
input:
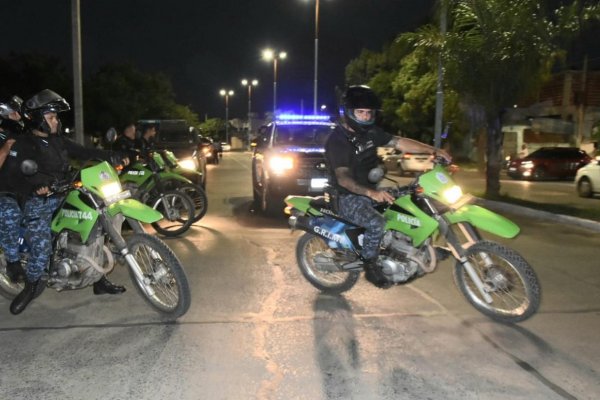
(121, 245)
(459, 251)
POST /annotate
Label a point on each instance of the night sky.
(204, 46)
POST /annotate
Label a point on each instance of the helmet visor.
(363, 116)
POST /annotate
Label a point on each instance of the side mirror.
(29, 167)
(376, 175)
(111, 135)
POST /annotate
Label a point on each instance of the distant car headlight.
(453, 194)
(281, 164)
(188, 163)
(527, 164)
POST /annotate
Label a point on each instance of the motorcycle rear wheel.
(332, 281)
(177, 209)
(165, 286)
(507, 278)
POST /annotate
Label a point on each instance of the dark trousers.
(359, 210)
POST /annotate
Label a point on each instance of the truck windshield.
(302, 135)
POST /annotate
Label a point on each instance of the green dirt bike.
(87, 240)
(168, 163)
(495, 279)
(146, 181)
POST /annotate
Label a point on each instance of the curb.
(530, 212)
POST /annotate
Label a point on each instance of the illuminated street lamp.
(269, 55)
(246, 82)
(226, 93)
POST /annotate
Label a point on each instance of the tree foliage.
(119, 94)
(498, 51)
(212, 127)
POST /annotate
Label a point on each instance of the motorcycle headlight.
(453, 194)
(188, 163)
(110, 189)
(281, 164)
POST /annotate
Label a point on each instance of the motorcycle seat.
(320, 202)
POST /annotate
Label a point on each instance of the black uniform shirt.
(358, 152)
(11, 179)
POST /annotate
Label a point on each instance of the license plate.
(318, 183)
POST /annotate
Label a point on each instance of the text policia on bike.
(494, 278)
(87, 242)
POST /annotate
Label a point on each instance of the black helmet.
(42, 103)
(6, 109)
(359, 96)
(11, 106)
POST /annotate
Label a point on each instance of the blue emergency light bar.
(297, 117)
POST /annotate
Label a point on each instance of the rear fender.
(485, 220)
(302, 203)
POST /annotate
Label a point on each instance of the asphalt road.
(257, 330)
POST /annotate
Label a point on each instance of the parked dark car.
(289, 158)
(549, 163)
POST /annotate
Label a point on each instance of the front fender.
(484, 219)
(135, 209)
(165, 175)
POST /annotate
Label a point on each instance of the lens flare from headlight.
(453, 194)
(187, 163)
(110, 189)
(281, 164)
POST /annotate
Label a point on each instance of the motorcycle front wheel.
(196, 193)
(320, 265)
(163, 283)
(507, 278)
(177, 209)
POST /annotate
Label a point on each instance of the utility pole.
(77, 85)
(439, 95)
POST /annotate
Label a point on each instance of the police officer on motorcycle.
(13, 186)
(351, 152)
(53, 152)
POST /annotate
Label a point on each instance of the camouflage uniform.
(10, 220)
(359, 210)
(38, 216)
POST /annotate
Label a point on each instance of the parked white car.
(587, 180)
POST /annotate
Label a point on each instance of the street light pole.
(246, 82)
(439, 95)
(226, 94)
(269, 55)
(316, 56)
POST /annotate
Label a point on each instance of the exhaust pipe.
(300, 222)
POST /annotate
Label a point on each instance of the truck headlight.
(281, 164)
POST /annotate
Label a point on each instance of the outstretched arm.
(409, 145)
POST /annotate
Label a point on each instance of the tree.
(119, 94)
(498, 51)
(212, 128)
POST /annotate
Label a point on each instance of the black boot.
(15, 271)
(105, 286)
(20, 302)
(374, 274)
